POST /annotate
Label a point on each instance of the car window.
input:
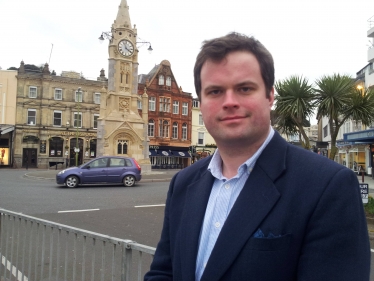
(128, 163)
(117, 162)
(99, 163)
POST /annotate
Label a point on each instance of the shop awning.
(183, 154)
(152, 152)
(4, 129)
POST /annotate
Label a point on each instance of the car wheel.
(129, 180)
(71, 181)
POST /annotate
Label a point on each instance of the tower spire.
(123, 15)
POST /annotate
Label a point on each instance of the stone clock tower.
(121, 130)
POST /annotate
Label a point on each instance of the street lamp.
(109, 36)
(78, 99)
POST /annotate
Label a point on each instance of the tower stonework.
(121, 130)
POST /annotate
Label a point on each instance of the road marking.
(18, 274)
(148, 206)
(77, 211)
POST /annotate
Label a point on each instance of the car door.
(95, 171)
(116, 169)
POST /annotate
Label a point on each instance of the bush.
(369, 207)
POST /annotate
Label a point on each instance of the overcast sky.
(309, 38)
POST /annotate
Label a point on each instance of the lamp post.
(79, 93)
(109, 36)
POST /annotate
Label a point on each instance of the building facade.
(202, 143)
(55, 116)
(169, 118)
(8, 90)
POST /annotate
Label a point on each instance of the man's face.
(233, 100)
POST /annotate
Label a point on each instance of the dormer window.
(168, 81)
(161, 80)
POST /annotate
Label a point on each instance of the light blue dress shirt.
(222, 197)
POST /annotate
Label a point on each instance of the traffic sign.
(364, 192)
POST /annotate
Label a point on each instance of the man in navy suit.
(259, 209)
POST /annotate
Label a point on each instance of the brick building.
(169, 118)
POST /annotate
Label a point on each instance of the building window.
(97, 98)
(57, 118)
(195, 103)
(32, 92)
(122, 147)
(31, 116)
(347, 127)
(175, 107)
(161, 80)
(55, 147)
(163, 128)
(139, 104)
(184, 131)
(175, 130)
(58, 94)
(151, 128)
(168, 81)
(77, 119)
(325, 131)
(95, 118)
(152, 104)
(164, 104)
(200, 140)
(201, 122)
(185, 108)
(78, 96)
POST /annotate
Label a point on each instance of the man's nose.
(230, 100)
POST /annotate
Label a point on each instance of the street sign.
(364, 192)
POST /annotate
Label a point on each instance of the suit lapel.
(255, 201)
(194, 211)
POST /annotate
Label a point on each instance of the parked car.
(106, 169)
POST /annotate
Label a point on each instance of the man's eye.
(245, 89)
(215, 92)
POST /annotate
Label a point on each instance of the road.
(117, 214)
(114, 210)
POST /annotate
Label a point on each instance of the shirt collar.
(215, 165)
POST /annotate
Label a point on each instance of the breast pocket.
(269, 244)
(266, 259)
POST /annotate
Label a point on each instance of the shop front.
(6, 142)
(358, 148)
(169, 157)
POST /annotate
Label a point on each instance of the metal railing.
(33, 249)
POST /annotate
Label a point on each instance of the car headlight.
(60, 173)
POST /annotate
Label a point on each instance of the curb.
(143, 180)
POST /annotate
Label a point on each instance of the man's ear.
(271, 97)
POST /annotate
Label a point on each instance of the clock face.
(126, 48)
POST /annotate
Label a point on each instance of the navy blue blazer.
(308, 208)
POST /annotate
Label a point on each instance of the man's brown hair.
(217, 49)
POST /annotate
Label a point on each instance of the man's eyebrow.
(246, 83)
(212, 87)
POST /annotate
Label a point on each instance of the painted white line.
(18, 274)
(148, 206)
(77, 211)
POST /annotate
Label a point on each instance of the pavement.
(166, 175)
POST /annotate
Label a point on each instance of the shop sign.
(43, 146)
(364, 192)
(81, 134)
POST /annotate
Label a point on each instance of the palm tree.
(295, 102)
(338, 99)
